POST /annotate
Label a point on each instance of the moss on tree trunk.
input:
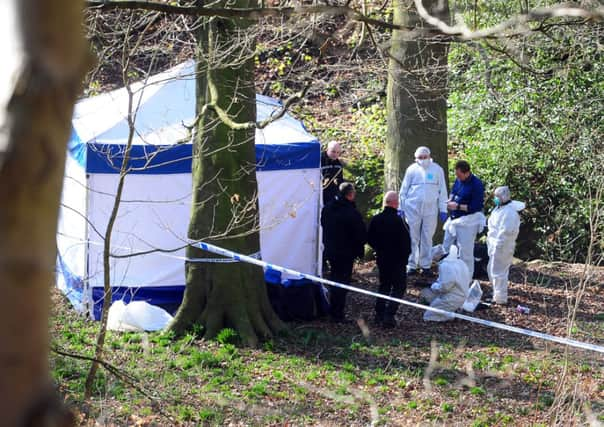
(416, 93)
(225, 203)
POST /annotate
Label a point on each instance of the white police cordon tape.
(254, 259)
(256, 255)
(244, 258)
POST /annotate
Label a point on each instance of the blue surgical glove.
(443, 216)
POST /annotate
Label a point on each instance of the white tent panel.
(103, 119)
(72, 233)
(288, 210)
(153, 214)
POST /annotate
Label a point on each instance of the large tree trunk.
(225, 204)
(31, 173)
(417, 92)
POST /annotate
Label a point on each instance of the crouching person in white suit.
(504, 224)
(450, 291)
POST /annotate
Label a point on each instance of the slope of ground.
(325, 374)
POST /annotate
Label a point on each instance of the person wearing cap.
(466, 218)
(344, 238)
(332, 171)
(423, 199)
(450, 290)
(389, 237)
(504, 225)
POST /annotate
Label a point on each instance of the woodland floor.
(335, 375)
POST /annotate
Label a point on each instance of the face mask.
(423, 162)
(497, 201)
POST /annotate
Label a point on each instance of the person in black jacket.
(332, 171)
(389, 237)
(344, 238)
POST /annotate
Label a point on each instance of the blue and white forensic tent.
(156, 199)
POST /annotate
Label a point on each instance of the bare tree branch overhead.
(541, 14)
(460, 30)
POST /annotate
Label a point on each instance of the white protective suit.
(462, 232)
(423, 195)
(451, 290)
(504, 224)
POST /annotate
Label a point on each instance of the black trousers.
(341, 271)
(393, 282)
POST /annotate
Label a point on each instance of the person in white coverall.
(504, 224)
(423, 196)
(450, 291)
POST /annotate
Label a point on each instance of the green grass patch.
(447, 407)
(440, 381)
(477, 391)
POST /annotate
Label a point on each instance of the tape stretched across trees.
(527, 332)
(254, 259)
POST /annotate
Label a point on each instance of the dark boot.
(389, 322)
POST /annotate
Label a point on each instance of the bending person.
(450, 291)
(504, 225)
(466, 218)
(423, 197)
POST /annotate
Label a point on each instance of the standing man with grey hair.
(344, 238)
(332, 171)
(389, 237)
(423, 199)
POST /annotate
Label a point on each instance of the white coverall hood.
(504, 225)
(422, 151)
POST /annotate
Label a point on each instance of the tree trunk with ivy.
(32, 154)
(417, 91)
(225, 192)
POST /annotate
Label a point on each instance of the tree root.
(231, 296)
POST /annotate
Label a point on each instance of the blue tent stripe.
(304, 155)
(166, 297)
(171, 159)
(144, 159)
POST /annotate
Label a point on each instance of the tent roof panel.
(162, 106)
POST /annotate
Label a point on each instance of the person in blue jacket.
(465, 206)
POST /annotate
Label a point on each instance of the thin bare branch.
(536, 15)
(440, 27)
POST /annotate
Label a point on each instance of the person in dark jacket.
(332, 171)
(344, 237)
(389, 237)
